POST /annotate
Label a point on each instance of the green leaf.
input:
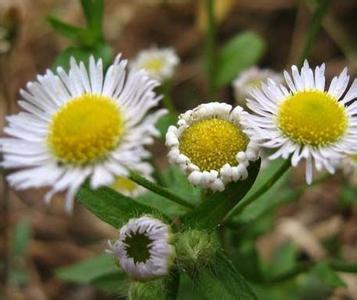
(177, 182)
(67, 30)
(348, 194)
(20, 238)
(164, 122)
(89, 269)
(114, 283)
(327, 275)
(93, 12)
(269, 199)
(211, 212)
(239, 53)
(222, 281)
(102, 51)
(111, 206)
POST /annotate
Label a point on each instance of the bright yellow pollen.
(212, 143)
(312, 118)
(153, 65)
(123, 184)
(85, 129)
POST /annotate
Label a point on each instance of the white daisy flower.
(159, 63)
(349, 167)
(306, 121)
(144, 248)
(210, 145)
(250, 79)
(80, 125)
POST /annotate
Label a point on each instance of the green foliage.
(164, 122)
(239, 53)
(222, 281)
(87, 41)
(348, 194)
(20, 239)
(211, 212)
(111, 206)
(89, 269)
(327, 275)
(177, 182)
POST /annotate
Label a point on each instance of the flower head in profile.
(81, 124)
(306, 120)
(210, 145)
(160, 63)
(144, 248)
(250, 79)
(349, 167)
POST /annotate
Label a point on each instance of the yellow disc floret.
(212, 143)
(85, 129)
(123, 184)
(153, 65)
(312, 118)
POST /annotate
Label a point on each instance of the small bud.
(195, 249)
(144, 248)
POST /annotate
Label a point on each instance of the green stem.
(210, 46)
(265, 187)
(173, 284)
(166, 100)
(314, 28)
(159, 190)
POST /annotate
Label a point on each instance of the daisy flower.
(144, 248)
(349, 167)
(80, 125)
(250, 79)
(305, 120)
(210, 145)
(159, 63)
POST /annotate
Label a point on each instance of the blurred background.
(37, 240)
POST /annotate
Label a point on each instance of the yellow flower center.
(212, 143)
(312, 118)
(85, 129)
(123, 184)
(153, 65)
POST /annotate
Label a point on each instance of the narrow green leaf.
(111, 206)
(222, 281)
(327, 275)
(239, 53)
(93, 11)
(69, 31)
(212, 211)
(20, 238)
(89, 269)
(114, 283)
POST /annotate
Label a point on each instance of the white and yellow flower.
(252, 78)
(159, 63)
(80, 125)
(144, 248)
(210, 145)
(305, 120)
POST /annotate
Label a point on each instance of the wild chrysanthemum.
(159, 63)
(211, 146)
(81, 124)
(306, 120)
(250, 79)
(144, 248)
